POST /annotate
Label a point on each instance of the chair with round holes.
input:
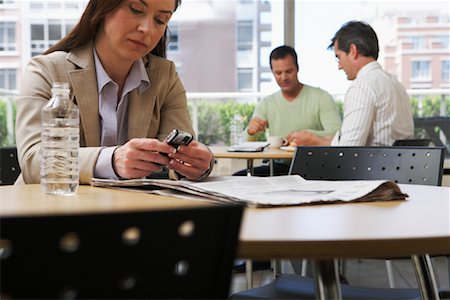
(9, 165)
(177, 253)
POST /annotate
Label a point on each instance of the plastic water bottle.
(60, 135)
(236, 129)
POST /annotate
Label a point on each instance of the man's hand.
(256, 125)
(140, 157)
(191, 161)
(306, 138)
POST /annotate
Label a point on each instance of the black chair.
(413, 165)
(412, 142)
(184, 253)
(9, 165)
(410, 165)
(431, 127)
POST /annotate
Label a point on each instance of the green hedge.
(214, 116)
(4, 139)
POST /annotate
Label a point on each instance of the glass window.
(244, 35)
(445, 70)
(173, 37)
(444, 39)
(421, 70)
(245, 80)
(7, 36)
(34, 5)
(37, 32)
(69, 26)
(399, 25)
(418, 42)
(8, 79)
(54, 5)
(54, 30)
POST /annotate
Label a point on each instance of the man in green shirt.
(294, 108)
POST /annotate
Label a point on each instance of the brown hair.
(86, 29)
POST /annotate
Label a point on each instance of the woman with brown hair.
(129, 96)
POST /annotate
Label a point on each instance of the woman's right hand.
(139, 157)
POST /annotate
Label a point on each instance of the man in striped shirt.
(377, 110)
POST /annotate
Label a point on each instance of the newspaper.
(267, 191)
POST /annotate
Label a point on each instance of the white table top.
(418, 225)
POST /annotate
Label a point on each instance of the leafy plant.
(4, 139)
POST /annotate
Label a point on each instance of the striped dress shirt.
(377, 110)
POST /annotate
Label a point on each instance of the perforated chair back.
(414, 165)
(412, 142)
(186, 253)
(9, 165)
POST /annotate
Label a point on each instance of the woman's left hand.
(191, 161)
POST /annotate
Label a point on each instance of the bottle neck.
(61, 93)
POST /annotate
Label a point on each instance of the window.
(396, 23)
(38, 40)
(8, 79)
(244, 35)
(444, 39)
(418, 42)
(445, 72)
(245, 79)
(421, 70)
(45, 35)
(173, 37)
(54, 30)
(8, 36)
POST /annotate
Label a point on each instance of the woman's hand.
(140, 157)
(191, 161)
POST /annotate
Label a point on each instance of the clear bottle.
(236, 130)
(60, 136)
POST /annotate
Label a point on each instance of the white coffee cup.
(275, 141)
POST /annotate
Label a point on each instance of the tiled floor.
(364, 273)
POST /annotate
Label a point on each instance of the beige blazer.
(154, 113)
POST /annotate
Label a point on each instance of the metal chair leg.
(249, 273)
(390, 273)
(426, 279)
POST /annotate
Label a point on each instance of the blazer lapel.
(141, 107)
(84, 83)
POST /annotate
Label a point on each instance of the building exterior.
(28, 28)
(418, 49)
(215, 44)
(224, 46)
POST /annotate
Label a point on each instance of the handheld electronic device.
(178, 137)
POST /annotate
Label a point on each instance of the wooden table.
(320, 232)
(267, 153)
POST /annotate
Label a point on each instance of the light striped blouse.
(377, 110)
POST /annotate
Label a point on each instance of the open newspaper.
(266, 191)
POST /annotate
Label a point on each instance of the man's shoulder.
(315, 89)
(315, 93)
(272, 97)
